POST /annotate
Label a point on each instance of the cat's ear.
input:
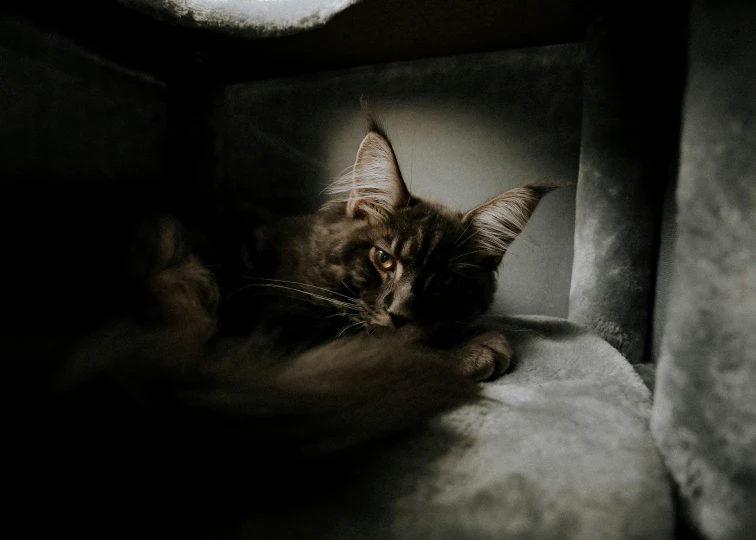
(378, 189)
(494, 225)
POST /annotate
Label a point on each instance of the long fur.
(374, 185)
(497, 223)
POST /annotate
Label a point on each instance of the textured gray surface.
(465, 129)
(628, 152)
(65, 113)
(561, 450)
(705, 405)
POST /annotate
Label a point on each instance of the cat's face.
(420, 265)
(410, 260)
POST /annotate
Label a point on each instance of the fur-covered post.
(633, 81)
(704, 417)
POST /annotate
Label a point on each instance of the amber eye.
(384, 260)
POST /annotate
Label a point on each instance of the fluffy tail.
(331, 398)
(336, 396)
(154, 432)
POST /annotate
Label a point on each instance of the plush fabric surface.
(705, 403)
(256, 18)
(561, 450)
(628, 150)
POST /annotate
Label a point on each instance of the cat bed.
(560, 448)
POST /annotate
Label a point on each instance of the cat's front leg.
(485, 356)
(479, 354)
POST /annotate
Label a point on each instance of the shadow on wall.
(464, 129)
(67, 114)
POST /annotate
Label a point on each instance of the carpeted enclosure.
(564, 447)
(705, 405)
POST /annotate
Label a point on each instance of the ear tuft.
(496, 223)
(378, 189)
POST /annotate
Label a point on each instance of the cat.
(148, 419)
(377, 257)
(131, 385)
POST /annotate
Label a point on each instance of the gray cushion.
(561, 449)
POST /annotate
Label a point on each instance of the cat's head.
(410, 259)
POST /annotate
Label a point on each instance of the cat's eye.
(384, 260)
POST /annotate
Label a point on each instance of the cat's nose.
(397, 320)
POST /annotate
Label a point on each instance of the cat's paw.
(486, 356)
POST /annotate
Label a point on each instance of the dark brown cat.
(378, 257)
(147, 420)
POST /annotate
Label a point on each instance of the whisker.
(469, 265)
(462, 234)
(347, 288)
(469, 236)
(341, 183)
(468, 253)
(347, 327)
(301, 285)
(332, 301)
(269, 293)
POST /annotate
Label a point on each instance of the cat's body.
(341, 342)
(377, 257)
(149, 419)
